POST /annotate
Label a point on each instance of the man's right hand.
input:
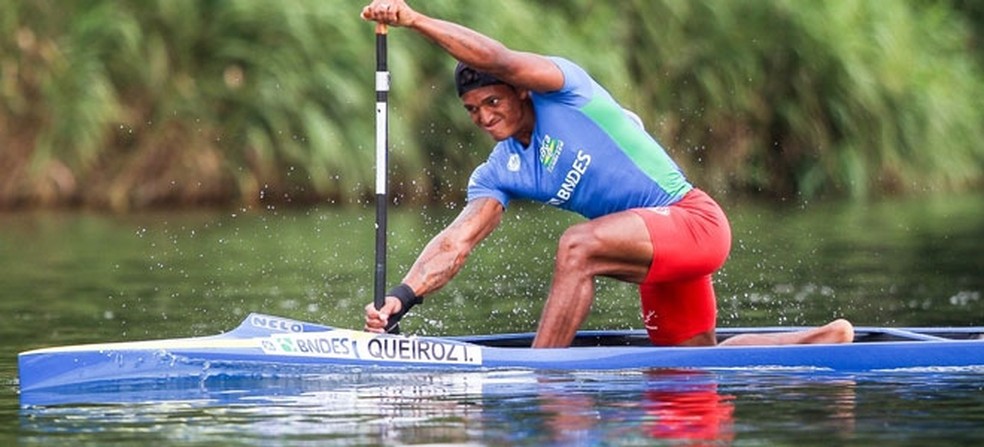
(376, 320)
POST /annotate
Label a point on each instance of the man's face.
(498, 110)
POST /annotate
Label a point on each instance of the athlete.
(563, 140)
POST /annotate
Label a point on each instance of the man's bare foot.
(837, 331)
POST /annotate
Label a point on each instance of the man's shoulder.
(578, 85)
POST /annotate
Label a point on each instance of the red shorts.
(691, 240)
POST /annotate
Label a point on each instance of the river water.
(78, 277)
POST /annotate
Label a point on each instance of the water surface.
(78, 277)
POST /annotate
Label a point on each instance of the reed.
(811, 98)
(126, 104)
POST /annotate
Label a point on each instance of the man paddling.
(563, 140)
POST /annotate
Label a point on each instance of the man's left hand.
(389, 12)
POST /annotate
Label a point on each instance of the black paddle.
(382, 147)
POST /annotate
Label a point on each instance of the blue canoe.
(264, 345)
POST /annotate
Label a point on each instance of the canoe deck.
(639, 338)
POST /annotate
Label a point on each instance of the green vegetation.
(124, 104)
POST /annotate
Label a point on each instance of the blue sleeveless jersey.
(586, 155)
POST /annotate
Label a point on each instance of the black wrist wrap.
(407, 298)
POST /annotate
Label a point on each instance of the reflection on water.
(512, 407)
(515, 407)
(672, 405)
(696, 412)
(347, 404)
(72, 278)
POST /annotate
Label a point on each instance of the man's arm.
(518, 68)
(443, 257)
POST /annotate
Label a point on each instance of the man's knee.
(576, 246)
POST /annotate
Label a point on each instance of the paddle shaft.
(382, 145)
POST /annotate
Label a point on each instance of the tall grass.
(789, 97)
(126, 103)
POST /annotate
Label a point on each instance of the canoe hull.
(267, 346)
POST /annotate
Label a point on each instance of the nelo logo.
(277, 324)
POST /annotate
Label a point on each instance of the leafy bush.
(125, 103)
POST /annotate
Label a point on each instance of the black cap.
(467, 79)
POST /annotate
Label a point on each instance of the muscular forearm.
(437, 264)
(446, 254)
(517, 68)
(473, 48)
